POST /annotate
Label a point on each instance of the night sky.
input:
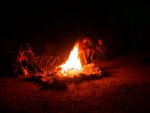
(122, 25)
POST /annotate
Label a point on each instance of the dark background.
(122, 27)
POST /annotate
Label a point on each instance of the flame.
(73, 65)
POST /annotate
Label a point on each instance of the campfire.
(72, 68)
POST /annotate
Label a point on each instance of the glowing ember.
(73, 64)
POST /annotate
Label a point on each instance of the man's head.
(85, 40)
(100, 42)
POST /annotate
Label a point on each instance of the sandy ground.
(125, 90)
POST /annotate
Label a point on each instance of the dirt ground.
(125, 90)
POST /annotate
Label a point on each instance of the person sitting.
(86, 50)
(101, 48)
(26, 61)
(32, 64)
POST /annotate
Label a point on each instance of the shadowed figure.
(86, 50)
(26, 61)
(100, 49)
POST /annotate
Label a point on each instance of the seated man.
(86, 50)
(26, 61)
(32, 64)
(101, 48)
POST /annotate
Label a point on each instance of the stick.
(54, 60)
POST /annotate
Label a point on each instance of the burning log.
(71, 74)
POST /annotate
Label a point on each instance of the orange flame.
(73, 65)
